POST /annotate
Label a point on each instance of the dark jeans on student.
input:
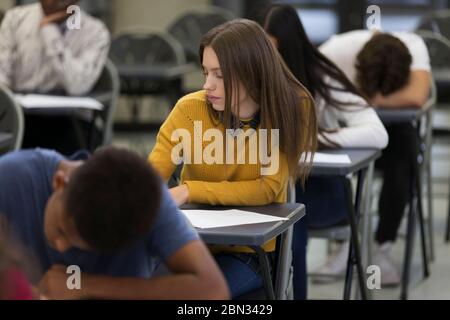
(397, 163)
(242, 272)
(325, 202)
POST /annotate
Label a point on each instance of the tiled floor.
(437, 286)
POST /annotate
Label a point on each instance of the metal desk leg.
(415, 207)
(265, 269)
(366, 236)
(408, 250)
(283, 264)
(447, 232)
(419, 166)
(355, 249)
(427, 169)
(426, 271)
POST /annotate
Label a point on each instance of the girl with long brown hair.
(248, 91)
(345, 119)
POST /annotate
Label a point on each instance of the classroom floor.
(437, 286)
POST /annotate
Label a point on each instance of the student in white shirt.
(393, 71)
(41, 52)
(345, 120)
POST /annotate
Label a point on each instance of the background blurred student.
(344, 118)
(246, 87)
(39, 53)
(393, 71)
(111, 216)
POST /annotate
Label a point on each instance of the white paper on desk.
(320, 157)
(205, 219)
(40, 101)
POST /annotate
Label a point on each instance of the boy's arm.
(195, 275)
(414, 94)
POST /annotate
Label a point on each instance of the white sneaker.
(334, 268)
(389, 273)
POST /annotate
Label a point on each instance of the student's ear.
(59, 180)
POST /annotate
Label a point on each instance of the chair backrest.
(11, 119)
(108, 85)
(189, 28)
(142, 45)
(437, 22)
(438, 49)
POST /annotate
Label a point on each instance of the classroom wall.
(158, 14)
(6, 4)
(154, 13)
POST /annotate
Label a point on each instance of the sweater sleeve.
(162, 155)
(361, 126)
(261, 191)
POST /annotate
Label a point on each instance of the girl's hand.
(180, 194)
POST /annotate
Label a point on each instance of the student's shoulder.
(19, 13)
(194, 98)
(410, 39)
(193, 105)
(25, 160)
(93, 25)
(347, 38)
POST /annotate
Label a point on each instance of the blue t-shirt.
(25, 186)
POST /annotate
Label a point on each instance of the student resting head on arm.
(344, 118)
(110, 219)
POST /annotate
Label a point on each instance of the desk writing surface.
(360, 158)
(401, 115)
(255, 234)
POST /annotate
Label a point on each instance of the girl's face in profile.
(215, 88)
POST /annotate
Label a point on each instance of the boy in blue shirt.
(113, 218)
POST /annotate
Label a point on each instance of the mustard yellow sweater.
(215, 184)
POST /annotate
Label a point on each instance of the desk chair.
(189, 28)
(437, 22)
(106, 90)
(11, 119)
(439, 50)
(146, 46)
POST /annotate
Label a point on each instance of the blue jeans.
(326, 205)
(242, 272)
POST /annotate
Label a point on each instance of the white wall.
(6, 4)
(154, 13)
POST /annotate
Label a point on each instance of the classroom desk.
(142, 79)
(256, 235)
(403, 115)
(361, 160)
(413, 115)
(90, 115)
(5, 139)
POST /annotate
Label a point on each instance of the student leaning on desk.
(246, 87)
(345, 121)
(393, 70)
(110, 216)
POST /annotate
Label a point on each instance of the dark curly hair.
(383, 65)
(113, 199)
